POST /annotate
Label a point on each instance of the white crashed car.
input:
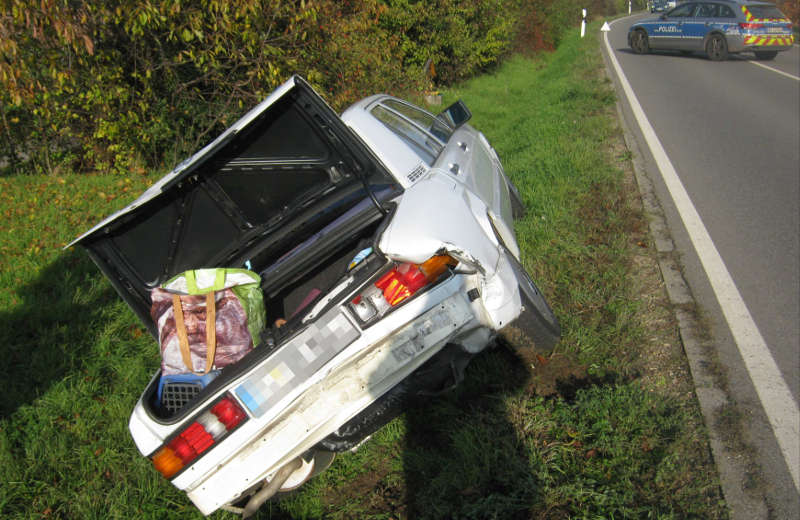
(339, 208)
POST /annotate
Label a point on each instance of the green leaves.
(85, 79)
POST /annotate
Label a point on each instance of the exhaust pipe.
(272, 487)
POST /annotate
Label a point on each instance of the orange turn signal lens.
(167, 463)
(435, 266)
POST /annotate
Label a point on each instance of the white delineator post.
(583, 22)
(629, 6)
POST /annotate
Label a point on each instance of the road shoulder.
(733, 462)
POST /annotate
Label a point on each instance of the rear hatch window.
(766, 12)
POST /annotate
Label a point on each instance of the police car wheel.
(717, 48)
(639, 42)
(765, 55)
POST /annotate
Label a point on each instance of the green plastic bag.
(185, 308)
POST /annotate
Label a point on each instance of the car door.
(668, 32)
(698, 26)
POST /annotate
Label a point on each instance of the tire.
(639, 42)
(517, 206)
(765, 55)
(717, 48)
(537, 328)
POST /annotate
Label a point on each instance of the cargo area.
(292, 284)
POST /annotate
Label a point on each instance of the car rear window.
(765, 11)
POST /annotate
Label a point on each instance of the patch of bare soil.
(554, 375)
(375, 492)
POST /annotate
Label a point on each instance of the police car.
(718, 28)
(659, 6)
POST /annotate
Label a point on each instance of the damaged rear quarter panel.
(437, 214)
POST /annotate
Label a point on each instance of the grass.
(587, 433)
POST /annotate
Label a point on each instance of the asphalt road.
(732, 132)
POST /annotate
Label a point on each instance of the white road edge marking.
(777, 400)
(757, 64)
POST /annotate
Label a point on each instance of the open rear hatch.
(288, 172)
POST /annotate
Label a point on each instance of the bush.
(124, 84)
(791, 8)
(132, 85)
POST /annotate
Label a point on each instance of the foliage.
(458, 38)
(791, 8)
(350, 54)
(123, 84)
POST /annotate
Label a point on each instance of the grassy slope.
(607, 440)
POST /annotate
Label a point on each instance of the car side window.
(424, 119)
(422, 143)
(682, 11)
(725, 12)
(707, 11)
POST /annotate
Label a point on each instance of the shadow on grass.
(466, 453)
(48, 335)
(463, 456)
(468, 456)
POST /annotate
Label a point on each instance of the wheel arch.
(640, 28)
(716, 32)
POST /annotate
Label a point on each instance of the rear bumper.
(760, 42)
(366, 366)
(362, 373)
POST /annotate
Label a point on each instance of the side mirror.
(455, 115)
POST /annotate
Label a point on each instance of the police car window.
(707, 11)
(682, 11)
(421, 142)
(765, 11)
(725, 12)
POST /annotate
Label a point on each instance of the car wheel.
(765, 55)
(517, 206)
(639, 42)
(537, 328)
(717, 48)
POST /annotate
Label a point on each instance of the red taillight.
(406, 279)
(198, 437)
(192, 441)
(399, 284)
(750, 25)
(228, 413)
